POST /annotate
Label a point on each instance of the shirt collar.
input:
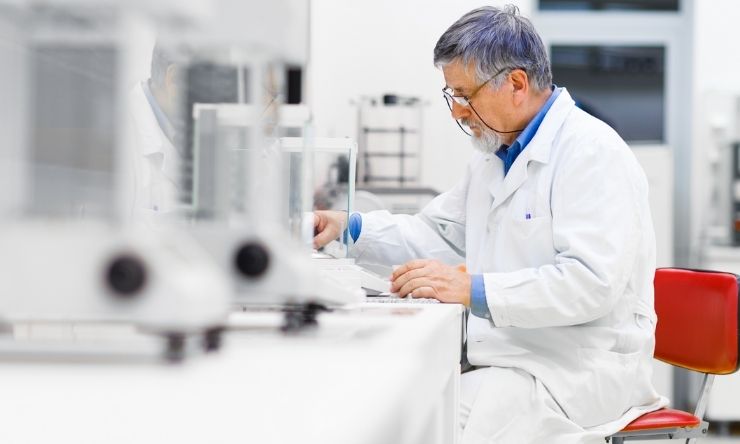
(509, 153)
(530, 130)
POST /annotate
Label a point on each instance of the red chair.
(697, 330)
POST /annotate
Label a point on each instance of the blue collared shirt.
(478, 303)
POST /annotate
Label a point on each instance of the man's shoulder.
(582, 122)
(585, 134)
(587, 144)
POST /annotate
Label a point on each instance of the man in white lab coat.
(155, 158)
(552, 220)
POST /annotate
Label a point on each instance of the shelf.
(389, 130)
(367, 154)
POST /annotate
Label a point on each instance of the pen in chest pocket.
(529, 207)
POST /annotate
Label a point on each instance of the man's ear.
(520, 85)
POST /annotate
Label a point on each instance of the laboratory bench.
(371, 373)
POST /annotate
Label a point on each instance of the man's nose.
(458, 111)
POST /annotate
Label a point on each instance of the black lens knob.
(126, 276)
(252, 260)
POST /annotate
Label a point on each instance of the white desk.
(379, 373)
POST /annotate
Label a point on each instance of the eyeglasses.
(449, 97)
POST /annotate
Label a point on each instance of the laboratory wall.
(369, 48)
(717, 65)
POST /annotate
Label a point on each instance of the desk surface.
(365, 375)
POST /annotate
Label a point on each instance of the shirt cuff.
(478, 303)
(355, 226)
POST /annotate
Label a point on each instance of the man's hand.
(327, 226)
(432, 279)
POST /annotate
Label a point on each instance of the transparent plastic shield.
(232, 167)
(321, 176)
(73, 121)
(13, 117)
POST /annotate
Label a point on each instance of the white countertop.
(370, 374)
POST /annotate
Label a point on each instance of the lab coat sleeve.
(598, 198)
(437, 232)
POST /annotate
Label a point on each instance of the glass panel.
(621, 85)
(73, 130)
(327, 172)
(231, 161)
(609, 5)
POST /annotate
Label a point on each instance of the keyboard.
(397, 300)
(347, 271)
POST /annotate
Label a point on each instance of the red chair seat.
(663, 419)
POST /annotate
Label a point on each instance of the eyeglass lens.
(448, 100)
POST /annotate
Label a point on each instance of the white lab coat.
(154, 160)
(570, 288)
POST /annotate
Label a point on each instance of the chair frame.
(688, 433)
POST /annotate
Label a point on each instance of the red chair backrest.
(697, 319)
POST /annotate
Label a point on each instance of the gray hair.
(493, 39)
(161, 60)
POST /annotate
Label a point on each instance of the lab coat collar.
(151, 139)
(164, 122)
(538, 150)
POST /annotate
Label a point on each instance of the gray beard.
(488, 142)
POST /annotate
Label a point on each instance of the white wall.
(385, 46)
(716, 60)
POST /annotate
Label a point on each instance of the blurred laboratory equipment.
(726, 132)
(390, 155)
(253, 241)
(389, 140)
(70, 256)
(233, 193)
(720, 222)
(719, 235)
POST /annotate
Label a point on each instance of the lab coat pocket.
(528, 228)
(532, 241)
(607, 379)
